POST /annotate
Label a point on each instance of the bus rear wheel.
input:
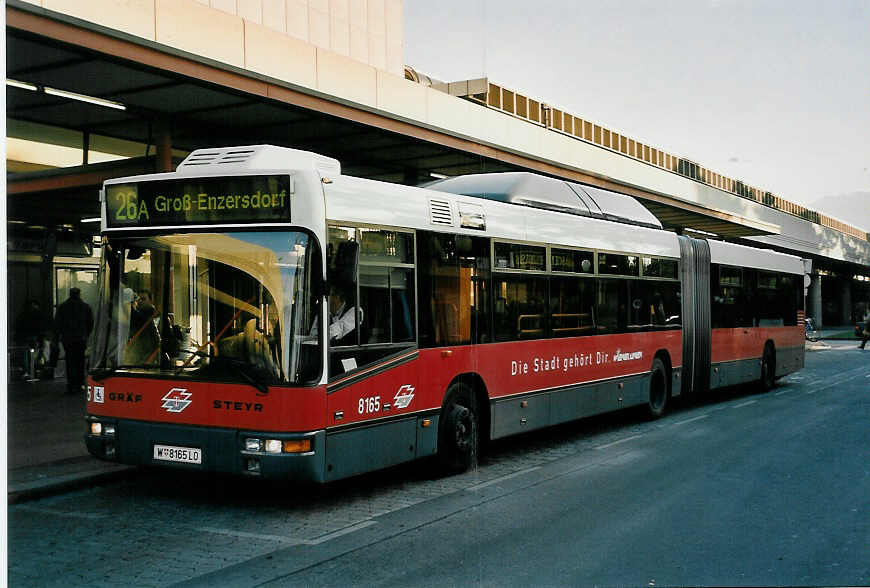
(768, 369)
(658, 389)
(458, 430)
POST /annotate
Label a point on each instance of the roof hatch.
(535, 191)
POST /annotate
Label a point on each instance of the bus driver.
(341, 319)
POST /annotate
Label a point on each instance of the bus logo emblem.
(176, 400)
(404, 396)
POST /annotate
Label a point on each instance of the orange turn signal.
(297, 446)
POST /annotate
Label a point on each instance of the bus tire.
(768, 369)
(658, 390)
(458, 430)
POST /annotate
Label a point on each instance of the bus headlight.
(273, 446)
(96, 428)
(277, 446)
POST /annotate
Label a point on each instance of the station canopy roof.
(200, 103)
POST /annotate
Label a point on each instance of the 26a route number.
(369, 405)
(129, 207)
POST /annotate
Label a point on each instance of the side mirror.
(321, 287)
(346, 259)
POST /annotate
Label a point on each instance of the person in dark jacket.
(865, 334)
(31, 325)
(73, 323)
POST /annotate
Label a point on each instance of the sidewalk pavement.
(833, 333)
(46, 451)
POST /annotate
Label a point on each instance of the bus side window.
(525, 307)
(729, 306)
(612, 305)
(655, 305)
(571, 302)
(377, 279)
(454, 296)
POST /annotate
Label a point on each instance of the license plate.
(178, 454)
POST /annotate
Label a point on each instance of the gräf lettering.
(125, 397)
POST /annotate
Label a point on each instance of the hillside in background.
(852, 208)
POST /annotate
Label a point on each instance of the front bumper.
(222, 450)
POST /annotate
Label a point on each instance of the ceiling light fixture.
(95, 219)
(22, 85)
(700, 232)
(438, 176)
(66, 94)
(84, 98)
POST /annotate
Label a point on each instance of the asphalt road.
(744, 489)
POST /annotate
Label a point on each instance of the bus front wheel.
(458, 430)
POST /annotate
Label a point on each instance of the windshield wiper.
(243, 370)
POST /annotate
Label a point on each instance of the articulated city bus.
(263, 314)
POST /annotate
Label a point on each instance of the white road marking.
(838, 382)
(606, 445)
(697, 418)
(501, 479)
(63, 513)
(339, 533)
(246, 535)
(744, 404)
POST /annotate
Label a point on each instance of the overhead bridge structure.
(134, 87)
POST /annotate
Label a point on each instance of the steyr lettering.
(235, 405)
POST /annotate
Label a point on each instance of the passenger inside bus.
(143, 344)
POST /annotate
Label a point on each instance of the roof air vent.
(218, 157)
(201, 158)
(236, 156)
(440, 213)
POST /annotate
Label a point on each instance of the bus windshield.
(215, 306)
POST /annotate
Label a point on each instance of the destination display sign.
(199, 201)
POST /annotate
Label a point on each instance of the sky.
(774, 93)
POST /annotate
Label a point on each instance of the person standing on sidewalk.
(73, 324)
(866, 334)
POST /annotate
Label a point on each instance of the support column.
(814, 299)
(163, 143)
(409, 176)
(846, 301)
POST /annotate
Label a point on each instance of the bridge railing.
(536, 112)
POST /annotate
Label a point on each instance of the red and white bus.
(263, 314)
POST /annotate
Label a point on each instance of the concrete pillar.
(814, 300)
(846, 301)
(163, 143)
(409, 177)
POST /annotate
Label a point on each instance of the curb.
(25, 491)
